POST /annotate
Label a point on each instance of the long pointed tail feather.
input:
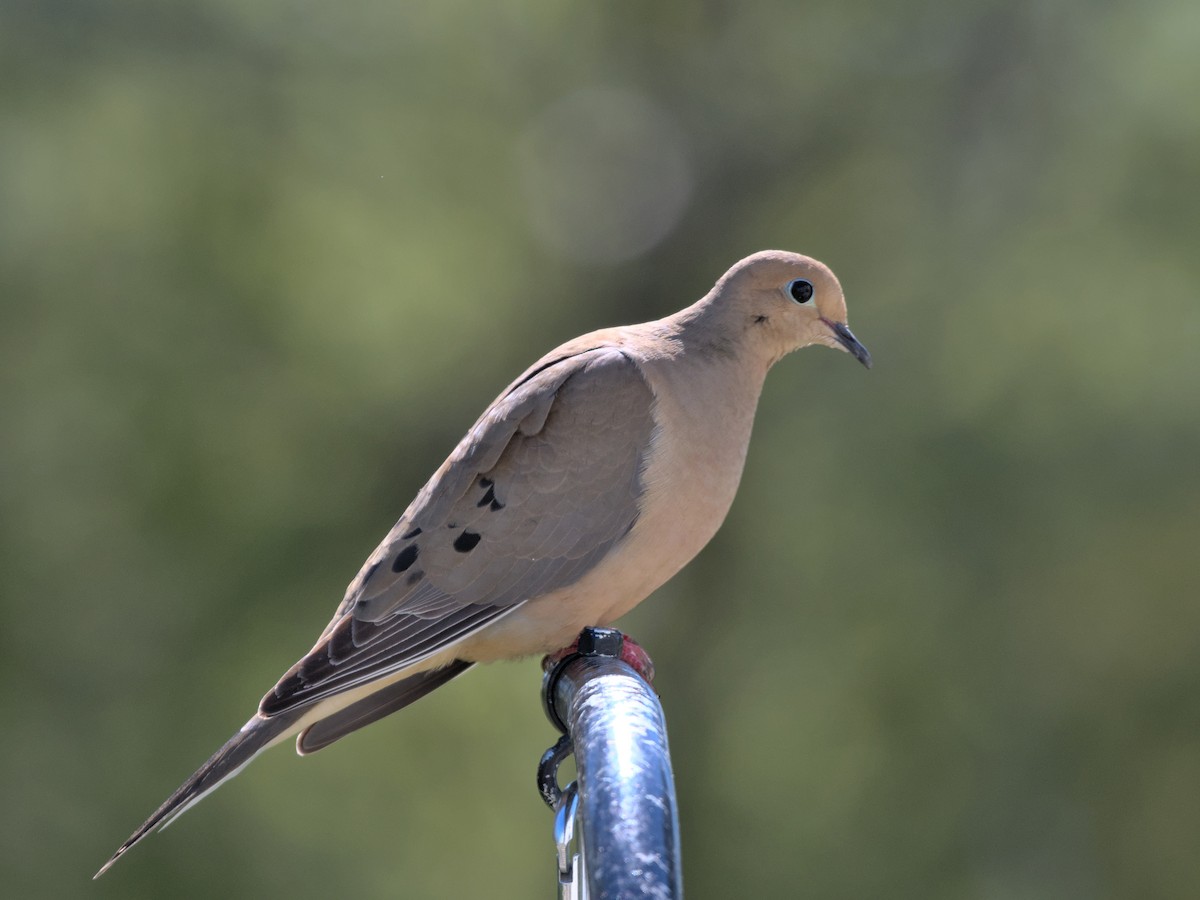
(254, 737)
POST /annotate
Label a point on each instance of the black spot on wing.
(412, 534)
(414, 577)
(466, 541)
(489, 495)
(405, 558)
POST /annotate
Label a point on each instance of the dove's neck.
(712, 366)
(716, 328)
(711, 373)
(709, 336)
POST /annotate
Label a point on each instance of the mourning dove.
(591, 480)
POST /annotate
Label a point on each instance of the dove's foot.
(631, 652)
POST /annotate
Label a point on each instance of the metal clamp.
(593, 641)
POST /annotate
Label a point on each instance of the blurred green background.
(263, 262)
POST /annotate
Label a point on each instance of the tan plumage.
(591, 480)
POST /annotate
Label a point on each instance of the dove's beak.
(846, 338)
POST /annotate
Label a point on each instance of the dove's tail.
(255, 736)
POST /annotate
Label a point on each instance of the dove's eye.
(801, 290)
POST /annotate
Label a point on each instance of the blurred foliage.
(263, 262)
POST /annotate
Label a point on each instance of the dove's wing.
(541, 488)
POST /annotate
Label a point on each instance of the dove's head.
(779, 302)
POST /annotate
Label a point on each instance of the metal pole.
(628, 816)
